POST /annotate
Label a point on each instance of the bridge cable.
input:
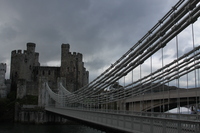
(161, 21)
(151, 69)
(89, 90)
(195, 71)
(174, 68)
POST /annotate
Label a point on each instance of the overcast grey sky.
(102, 30)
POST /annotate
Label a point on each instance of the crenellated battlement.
(80, 56)
(16, 52)
(3, 63)
(13, 52)
(19, 51)
(75, 55)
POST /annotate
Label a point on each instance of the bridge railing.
(190, 117)
(130, 122)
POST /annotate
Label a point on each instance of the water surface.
(47, 128)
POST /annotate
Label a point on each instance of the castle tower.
(31, 47)
(2, 74)
(3, 87)
(64, 59)
(72, 68)
(16, 59)
(22, 64)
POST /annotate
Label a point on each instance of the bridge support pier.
(43, 97)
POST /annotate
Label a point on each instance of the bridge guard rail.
(130, 123)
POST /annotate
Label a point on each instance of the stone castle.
(4, 84)
(26, 72)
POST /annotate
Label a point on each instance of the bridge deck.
(182, 93)
(131, 122)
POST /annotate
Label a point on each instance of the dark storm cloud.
(101, 30)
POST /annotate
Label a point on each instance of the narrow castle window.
(43, 72)
(49, 72)
(25, 60)
(16, 74)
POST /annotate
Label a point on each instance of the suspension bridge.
(137, 92)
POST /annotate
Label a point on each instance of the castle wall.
(25, 87)
(21, 88)
(51, 74)
(35, 114)
(32, 88)
(3, 92)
